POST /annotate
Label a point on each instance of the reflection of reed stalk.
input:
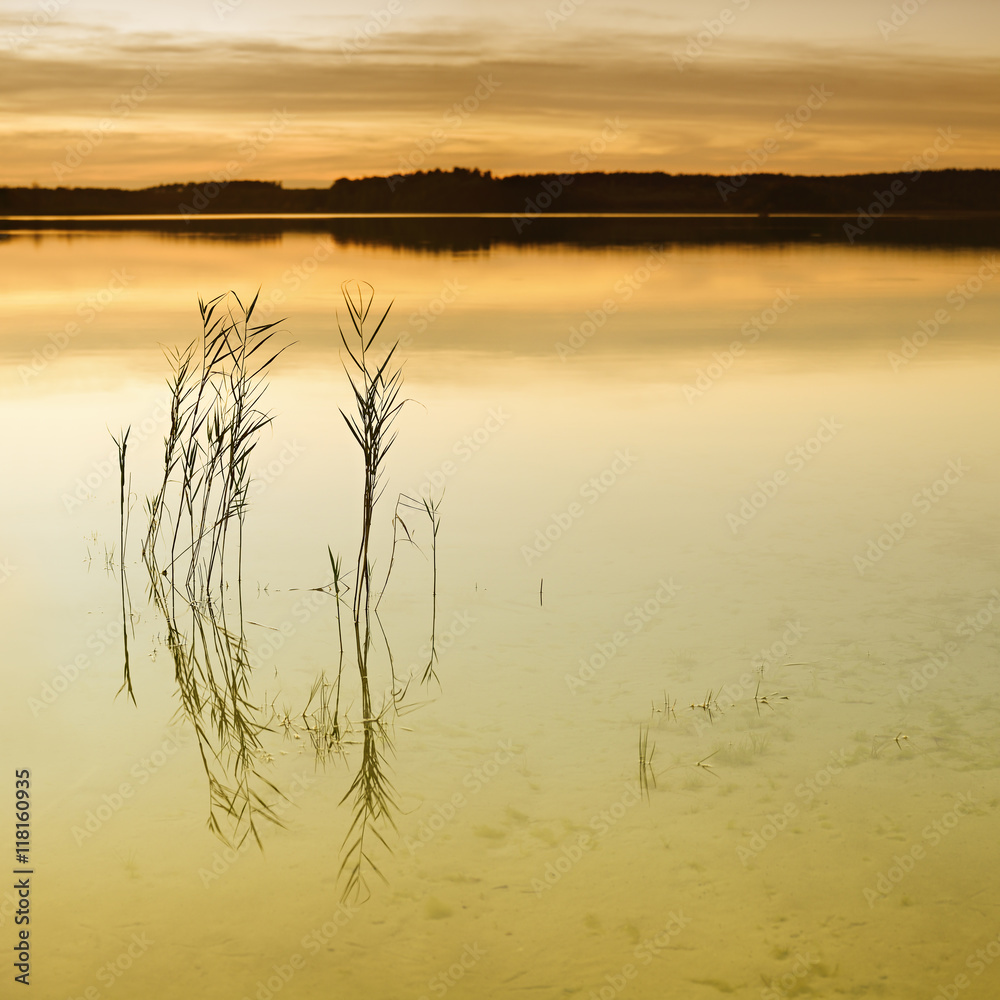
(215, 420)
(121, 443)
(433, 512)
(323, 727)
(645, 762)
(432, 508)
(372, 793)
(335, 566)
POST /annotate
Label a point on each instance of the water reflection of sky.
(812, 418)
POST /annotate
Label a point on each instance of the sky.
(115, 93)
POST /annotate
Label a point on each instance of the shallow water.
(819, 501)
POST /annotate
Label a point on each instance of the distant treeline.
(462, 190)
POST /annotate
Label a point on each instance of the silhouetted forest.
(462, 190)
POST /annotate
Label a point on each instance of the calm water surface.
(741, 471)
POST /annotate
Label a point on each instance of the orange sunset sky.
(125, 94)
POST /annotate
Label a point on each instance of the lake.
(711, 707)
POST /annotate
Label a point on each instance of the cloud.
(359, 114)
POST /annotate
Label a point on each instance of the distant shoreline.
(466, 193)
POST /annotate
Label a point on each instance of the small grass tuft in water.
(705, 766)
(708, 705)
(764, 699)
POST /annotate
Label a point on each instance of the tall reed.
(376, 387)
(194, 548)
(376, 384)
